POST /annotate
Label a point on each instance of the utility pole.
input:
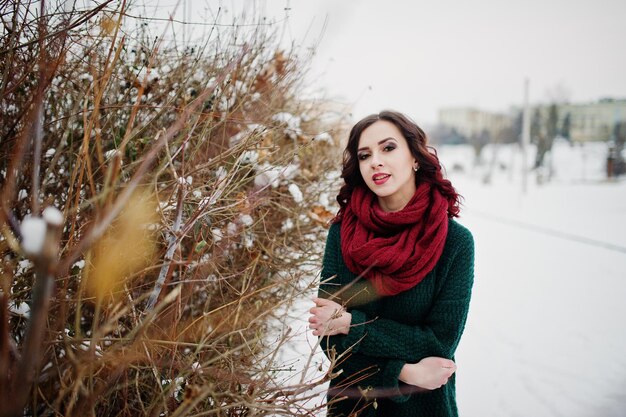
(525, 138)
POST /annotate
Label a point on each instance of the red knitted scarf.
(394, 250)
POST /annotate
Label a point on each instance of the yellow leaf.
(108, 25)
(126, 247)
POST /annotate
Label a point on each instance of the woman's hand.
(329, 318)
(430, 373)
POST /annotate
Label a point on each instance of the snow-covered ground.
(547, 324)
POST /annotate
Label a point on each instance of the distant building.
(580, 122)
(471, 122)
(592, 121)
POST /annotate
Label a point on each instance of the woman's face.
(386, 164)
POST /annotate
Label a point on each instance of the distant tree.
(506, 134)
(615, 163)
(501, 135)
(565, 127)
(544, 138)
(536, 125)
(553, 119)
(442, 134)
(619, 134)
(536, 133)
(456, 137)
(479, 141)
(516, 126)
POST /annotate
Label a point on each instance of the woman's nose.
(375, 161)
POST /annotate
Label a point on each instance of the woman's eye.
(389, 148)
(363, 156)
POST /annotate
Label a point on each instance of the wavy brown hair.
(426, 156)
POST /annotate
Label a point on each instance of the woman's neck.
(397, 201)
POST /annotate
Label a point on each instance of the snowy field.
(547, 324)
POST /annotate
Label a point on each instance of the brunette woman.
(396, 278)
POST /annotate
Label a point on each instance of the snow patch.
(23, 266)
(293, 123)
(217, 235)
(249, 157)
(287, 225)
(246, 219)
(295, 192)
(53, 216)
(33, 231)
(221, 173)
(22, 309)
(196, 367)
(111, 153)
(323, 137)
(231, 229)
(248, 240)
(273, 174)
(79, 264)
(268, 176)
(324, 200)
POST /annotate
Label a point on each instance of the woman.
(396, 279)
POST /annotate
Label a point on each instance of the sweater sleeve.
(438, 334)
(329, 282)
(383, 373)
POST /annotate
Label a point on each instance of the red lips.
(380, 178)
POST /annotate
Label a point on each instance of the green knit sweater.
(388, 332)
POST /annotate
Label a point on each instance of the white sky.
(418, 56)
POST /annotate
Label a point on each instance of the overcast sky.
(419, 56)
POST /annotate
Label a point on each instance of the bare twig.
(98, 229)
(73, 25)
(172, 241)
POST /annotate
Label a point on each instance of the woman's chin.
(381, 192)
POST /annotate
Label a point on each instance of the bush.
(188, 184)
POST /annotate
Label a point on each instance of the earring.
(416, 167)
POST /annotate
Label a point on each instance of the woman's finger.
(323, 302)
(448, 364)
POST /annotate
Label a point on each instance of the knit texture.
(387, 332)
